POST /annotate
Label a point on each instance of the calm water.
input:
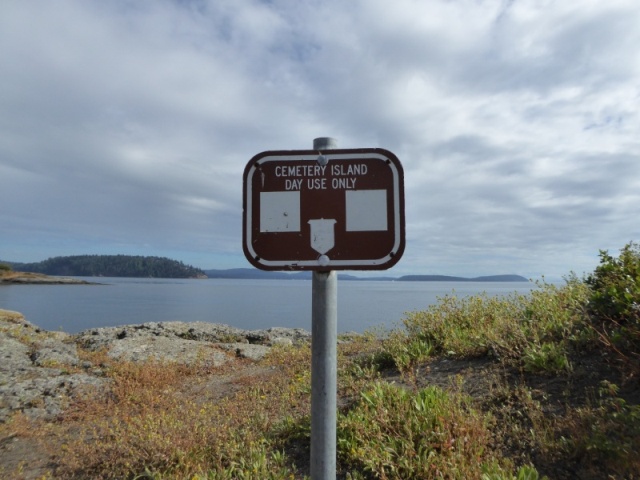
(247, 304)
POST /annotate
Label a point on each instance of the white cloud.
(126, 125)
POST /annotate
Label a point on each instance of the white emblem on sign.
(322, 234)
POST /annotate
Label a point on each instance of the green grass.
(395, 433)
(532, 330)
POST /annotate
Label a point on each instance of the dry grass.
(151, 421)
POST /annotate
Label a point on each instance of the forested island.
(112, 266)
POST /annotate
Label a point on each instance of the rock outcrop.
(36, 368)
(40, 370)
(27, 278)
(185, 342)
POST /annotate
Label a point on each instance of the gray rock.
(27, 381)
(178, 350)
(97, 338)
(45, 395)
(35, 364)
(108, 337)
(281, 341)
(278, 336)
(14, 356)
(186, 342)
(54, 352)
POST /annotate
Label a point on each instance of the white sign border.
(293, 264)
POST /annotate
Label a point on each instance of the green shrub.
(404, 351)
(554, 312)
(534, 330)
(615, 301)
(548, 357)
(5, 268)
(470, 326)
(396, 433)
(616, 286)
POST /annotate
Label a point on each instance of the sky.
(125, 126)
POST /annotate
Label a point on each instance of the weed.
(607, 435)
(394, 433)
(526, 472)
(405, 351)
(548, 357)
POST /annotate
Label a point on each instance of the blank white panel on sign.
(366, 210)
(280, 211)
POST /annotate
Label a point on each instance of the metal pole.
(324, 363)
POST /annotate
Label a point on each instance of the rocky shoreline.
(41, 370)
(27, 278)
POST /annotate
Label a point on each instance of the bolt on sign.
(331, 210)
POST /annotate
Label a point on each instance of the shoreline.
(28, 278)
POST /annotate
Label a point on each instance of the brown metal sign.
(331, 210)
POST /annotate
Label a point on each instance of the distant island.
(445, 278)
(255, 274)
(111, 266)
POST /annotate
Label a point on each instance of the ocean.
(246, 304)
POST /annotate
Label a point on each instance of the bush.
(616, 285)
(534, 330)
(5, 268)
(614, 303)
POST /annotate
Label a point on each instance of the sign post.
(323, 210)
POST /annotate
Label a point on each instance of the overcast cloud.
(125, 126)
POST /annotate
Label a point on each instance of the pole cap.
(325, 143)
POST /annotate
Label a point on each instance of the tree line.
(112, 266)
